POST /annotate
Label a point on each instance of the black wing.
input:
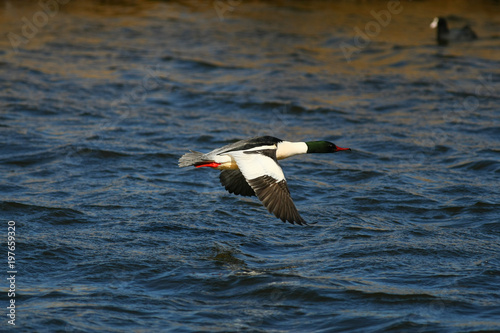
(276, 198)
(235, 182)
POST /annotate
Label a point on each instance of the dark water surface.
(98, 103)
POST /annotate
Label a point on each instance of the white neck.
(287, 149)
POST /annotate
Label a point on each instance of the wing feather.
(235, 182)
(264, 175)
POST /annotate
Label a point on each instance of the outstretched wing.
(235, 182)
(263, 173)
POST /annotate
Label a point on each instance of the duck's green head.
(323, 147)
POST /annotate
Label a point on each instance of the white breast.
(287, 149)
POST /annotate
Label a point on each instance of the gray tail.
(191, 158)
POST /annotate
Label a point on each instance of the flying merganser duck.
(445, 35)
(250, 167)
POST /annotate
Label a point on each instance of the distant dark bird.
(445, 35)
(250, 167)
